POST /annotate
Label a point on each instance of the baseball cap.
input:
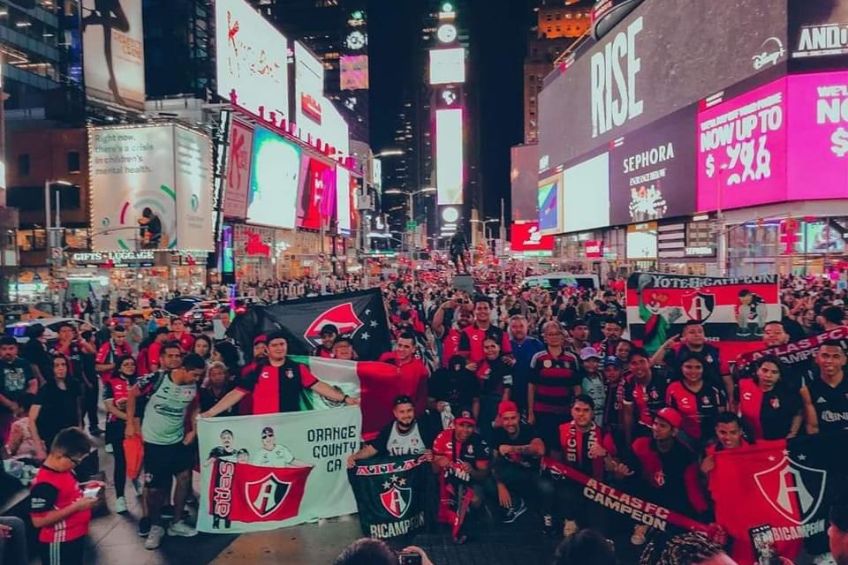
(403, 399)
(261, 338)
(329, 329)
(612, 361)
(671, 416)
(465, 417)
(577, 323)
(507, 406)
(589, 353)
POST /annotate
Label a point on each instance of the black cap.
(329, 329)
(403, 399)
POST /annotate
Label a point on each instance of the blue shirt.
(523, 352)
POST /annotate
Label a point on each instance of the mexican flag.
(374, 383)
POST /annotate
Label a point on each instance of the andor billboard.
(151, 188)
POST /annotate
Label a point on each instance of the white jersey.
(410, 443)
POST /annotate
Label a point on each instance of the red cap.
(261, 338)
(507, 406)
(465, 417)
(671, 416)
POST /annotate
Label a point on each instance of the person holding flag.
(276, 384)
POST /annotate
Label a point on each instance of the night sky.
(497, 30)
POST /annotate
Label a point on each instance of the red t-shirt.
(277, 389)
(413, 376)
(450, 345)
(472, 337)
(185, 339)
(53, 490)
(109, 352)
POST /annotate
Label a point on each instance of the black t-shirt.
(392, 442)
(831, 404)
(526, 434)
(14, 379)
(780, 405)
(459, 389)
(58, 408)
(208, 400)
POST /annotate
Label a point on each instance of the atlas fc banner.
(787, 486)
(360, 315)
(390, 494)
(734, 311)
(799, 356)
(277, 470)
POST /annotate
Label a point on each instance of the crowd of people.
(491, 383)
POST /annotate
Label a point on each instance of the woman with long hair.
(115, 392)
(495, 378)
(57, 404)
(769, 407)
(697, 400)
(203, 347)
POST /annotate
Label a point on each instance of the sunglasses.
(267, 435)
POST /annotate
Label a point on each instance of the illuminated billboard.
(585, 195)
(526, 237)
(447, 66)
(548, 198)
(252, 59)
(354, 72)
(450, 177)
(151, 188)
(343, 200)
(642, 242)
(236, 183)
(524, 181)
(274, 181)
(113, 41)
(309, 91)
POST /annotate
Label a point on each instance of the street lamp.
(411, 201)
(485, 222)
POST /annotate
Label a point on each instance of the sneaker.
(181, 529)
(154, 540)
(144, 527)
(120, 505)
(109, 448)
(548, 524)
(638, 537)
(513, 513)
(168, 512)
(570, 528)
(824, 559)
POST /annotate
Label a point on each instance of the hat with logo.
(465, 417)
(612, 361)
(671, 416)
(261, 338)
(589, 353)
(507, 406)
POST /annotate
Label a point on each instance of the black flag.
(360, 315)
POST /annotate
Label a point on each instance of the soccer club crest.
(396, 497)
(266, 495)
(698, 305)
(795, 491)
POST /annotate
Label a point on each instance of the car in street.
(163, 317)
(182, 304)
(200, 316)
(18, 330)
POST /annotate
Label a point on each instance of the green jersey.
(166, 408)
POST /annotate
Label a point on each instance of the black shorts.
(161, 462)
(62, 552)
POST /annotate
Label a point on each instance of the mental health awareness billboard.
(113, 43)
(151, 188)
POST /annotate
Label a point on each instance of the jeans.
(13, 549)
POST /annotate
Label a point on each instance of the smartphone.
(410, 558)
(91, 492)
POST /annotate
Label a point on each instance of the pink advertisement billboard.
(742, 146)
(237, 182)
(818, 142)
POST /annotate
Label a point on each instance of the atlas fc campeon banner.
(390, 494)
(360, 315)
(277, 470)
(787, 487)
(734, 311)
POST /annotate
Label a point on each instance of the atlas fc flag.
(773, 497)
(276, 470)
(733, 311)
(360, 315)
(374, 383)
(390, 494)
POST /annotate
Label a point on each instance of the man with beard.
(405, 435)
(644, 395)
(612, 335)
(524, 348)
(461, 457)
(328, 336)
(453, 389)
(517, 450)
(471, 340)
(16, 378)
(579, 331)
(411, 371)
(451, 336)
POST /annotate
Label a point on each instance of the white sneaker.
(154, 538)
(181, 529)
(109, 448)
(824, 559)
(569, 528)
(120, 505)
(638, 537)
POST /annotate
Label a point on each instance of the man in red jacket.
(412, 372)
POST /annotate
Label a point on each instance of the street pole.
(722, 241)
(46, 210)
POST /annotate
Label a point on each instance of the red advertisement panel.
(238, 171)
(527, 237)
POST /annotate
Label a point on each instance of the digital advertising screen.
(450, 162)
(309, 91)
(655, 62)
(317, 179)
(823, 237)
(274, 180)
(742, 146)
(343, 200)
(447, 66)
(193, 185)
(524, 181)
(237, 179)
(548, 197)
(527, 237)
(354, 72)
(651, 171)
(818, 136)
(642, 241)
(114, 53)
(818, 29)
(586, 202)
(251, 59)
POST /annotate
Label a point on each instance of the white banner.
(267, 472)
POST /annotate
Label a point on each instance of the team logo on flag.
(698, 305)
(396, 497)
(266, 495)
(794, 490)
(343, 316)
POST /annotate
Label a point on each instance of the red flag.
(774, 494)
(247, 493)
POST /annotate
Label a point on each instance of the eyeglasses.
(75, 460)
